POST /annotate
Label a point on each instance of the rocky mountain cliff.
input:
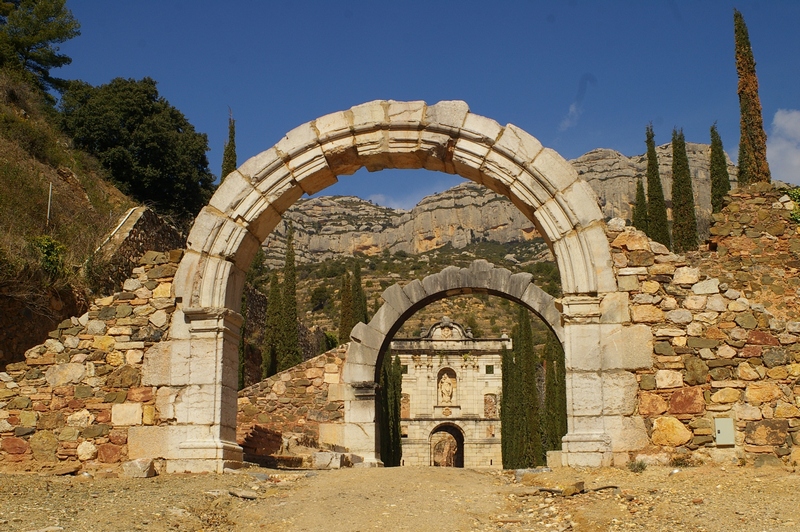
(329, 226)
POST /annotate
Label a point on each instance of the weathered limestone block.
(619, 393)
(126, 414)
(707, 287)
(670, 432)
(629, 433)
(139, 468)
(679, 316)
(86, 451)
(614, 308)
(686, 275)
(745, 412)
(667, 378)
(62, 374)
(628, 347)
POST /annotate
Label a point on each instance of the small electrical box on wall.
(723, 431)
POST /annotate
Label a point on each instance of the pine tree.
(753, 166)
(229, 152)
(720, 179)
(289, 352)
(345, 310)
(272, 328)
(554, 420)
(657, 226)
(639, 216)
(359, 297)
(684, 221)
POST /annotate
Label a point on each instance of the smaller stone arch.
(370, 341)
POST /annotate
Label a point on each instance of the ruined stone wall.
(726, 331)
(296, 400)
(139, 231)
(74, 397)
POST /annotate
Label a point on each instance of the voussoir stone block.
(446, 116)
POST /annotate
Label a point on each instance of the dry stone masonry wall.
(292, 404)
(74, 398)
(726, 332)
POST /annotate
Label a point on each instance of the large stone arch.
(196, 370)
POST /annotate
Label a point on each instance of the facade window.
(404, 369)
(490, 369)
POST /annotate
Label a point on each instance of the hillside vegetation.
(37, 253)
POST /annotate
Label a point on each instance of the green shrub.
(52, 256)
(637, 466)
(794, 195)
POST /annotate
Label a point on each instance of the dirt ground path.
(706, 498)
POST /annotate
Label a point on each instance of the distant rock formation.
(330, 226)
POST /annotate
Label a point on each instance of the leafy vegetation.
(149, 148)
(29, 33)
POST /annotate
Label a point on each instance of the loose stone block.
(139, 468)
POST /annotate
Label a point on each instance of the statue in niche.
(445, 390)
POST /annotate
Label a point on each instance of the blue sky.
(576, 74)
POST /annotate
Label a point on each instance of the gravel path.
(706, 498)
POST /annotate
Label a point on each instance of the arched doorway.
(447, 446)
(196, 370)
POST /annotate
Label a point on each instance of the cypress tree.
(358, 296)
(639, 216)
(289, 352)
(657, 227)
(720, 180)
(272, 328)
(684, 222)
(345, 310)
(229, 153)
(390, 384)
(753, 166)
(509, 408)
(555, 401)
(529, 364)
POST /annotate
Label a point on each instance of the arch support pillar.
(197, 379)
